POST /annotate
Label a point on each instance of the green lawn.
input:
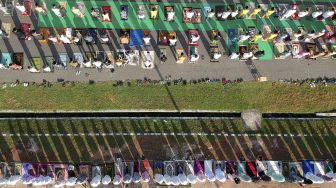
(234, 97)
(98, 147)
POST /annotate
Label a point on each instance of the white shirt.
(88, 38)
(190, 14)
(328, 14)
(243, 38)
(211, 14)
(311, 35)
(172, 42)
(170, 16)
(148, 58)
(303, 14)
(288, 14)
(319, 34)
(97, 63)
(57, 11)
(283, 36)
(234, 14)
(146, 40)
(88, 64)
(148, 64)
(105, 39)
(47, 69)
(194, 38)
(247, 55)
(297, 35)
(141, 15)
(54, 39)
(217, 55)
(65, 39)
(234, 56)
(33, 70)
(317, 14)
(225, 15)
(194, 58)
(76, 39)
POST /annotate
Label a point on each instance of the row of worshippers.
(290, 12)
(300, 35)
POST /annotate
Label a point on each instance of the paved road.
(274, 70)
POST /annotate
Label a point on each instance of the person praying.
(170, 15)
(153, 13)
(268, 13)
(255, 11)
(244, 12)
(329, 13)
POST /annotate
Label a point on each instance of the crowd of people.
(171, 172)
(241, 45)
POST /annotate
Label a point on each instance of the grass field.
(93, 147)
(234, 97)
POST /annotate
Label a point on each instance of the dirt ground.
(106, 148)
